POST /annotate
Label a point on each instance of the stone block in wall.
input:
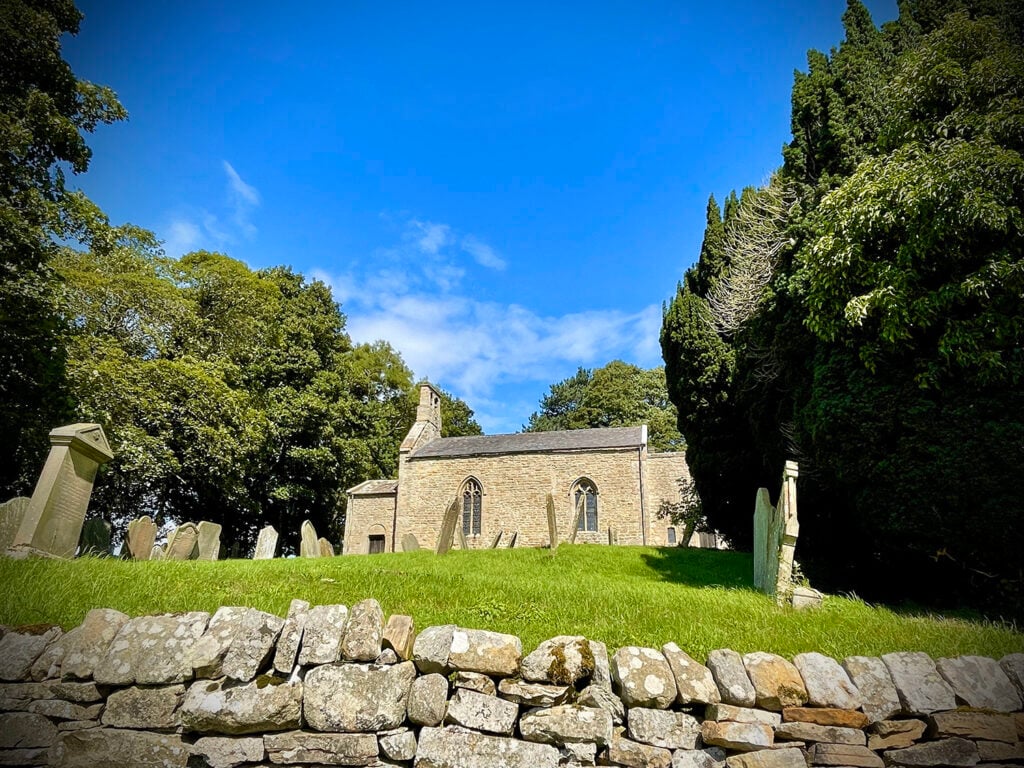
(987, 726)
(945, 753)
(895, 734)
(287, 652)
(150, 708)
(57, 709)
(602, 698)
(432, 648)
(428, 699)
(322, 634)
(845, 755)
(643, 677)
(694, 682)
(47, 665)
(562, 660)
(299, 747)
(152, 650)
(827, 683)
(229, 751)
(20, 648)
(399, 744)
(999, 751)
(354, 698)
(78, 692)
(569, 724)
(25, 730)
(660, 728)
(813, 733)
(491, 653)
(623, 751)
(844, 718)
(777, 683)
(364, 632)
(602, 669)
(533, 694)
(741, 737)
(698, 758)
(1013, 666)
(720, 712)
(730, 676)
(789, 757)
(879, 698)
(578, 754)
(399, 635)
(980, 682)
(452, 747)
(91, 642)
(265, 704)
(117, 747)
(474, 681)
(481, 712)
(920, 686)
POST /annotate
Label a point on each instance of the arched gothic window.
(585, 497)
(472, 501)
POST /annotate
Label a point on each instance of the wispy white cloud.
(482, 252)
(243, 198)
(429, 237)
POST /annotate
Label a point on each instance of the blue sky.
(504, 193)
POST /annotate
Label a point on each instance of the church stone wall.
(661, 484)
(366, 516)
(515, 488)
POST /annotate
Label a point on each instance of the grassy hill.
(700, 599)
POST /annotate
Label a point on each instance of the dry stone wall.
(329, 685)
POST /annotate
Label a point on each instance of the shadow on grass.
(703, 567)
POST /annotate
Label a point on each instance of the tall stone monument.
(141, 537)
(266, 544)
(56, 511)
(309, 545)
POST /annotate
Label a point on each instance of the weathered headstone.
(209, 540)
(497, 538)
(775, 534)
(309, 546)
(451, 518)
(409, 543)
(53, 521)
(577, 518)
(157, 553)
(513, 539)
(326, 550)
(764, 512)
(552, 523)
(463, 544)
(95, 538)
(141, 537)
(11, 514)
(613, 536)
(183, 544)
(266, 544)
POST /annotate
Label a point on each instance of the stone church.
(603, 478)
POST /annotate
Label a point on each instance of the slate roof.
(533, 442)
(375, 488)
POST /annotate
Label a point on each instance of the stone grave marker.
(552, 523)
(497, 538)
(409, 543)
(266, 544)
(53, 521)
(775, 534)
(613, 536)
(95, 538)
(326, 550)
(462, 538)
(512, 541)
(209, 540)
(183, 544)
(451, 517)
(157, 553)
(11, 514)
(141, 537)
(309, 546)
(578, 517)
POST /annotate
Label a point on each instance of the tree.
(44, 111)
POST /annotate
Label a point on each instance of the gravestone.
(157, 553)
(552, 523)
(209, 540)
(309, 546)
(11, 514)
(266, 544)
(613, 536)
(409, 543)
(326, 550)
(53, 521)
(462, 538)
(512, 541)
(95, 538)
(183, 544)
(578, 517)
(451, 517)
(497, 538)
(141, 537)
(775, 534)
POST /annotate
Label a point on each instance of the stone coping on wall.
(329, 685)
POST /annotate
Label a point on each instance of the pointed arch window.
(472, 503)
(585, 497)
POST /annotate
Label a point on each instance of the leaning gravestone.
(326, 549)
(552, 523)
(56, 511)
(463, 544)
(309, 546)
(11, 514)
(409, 543)
(95, 538)
(141, 537)
(497, 538)
(157, 553)
(512, 541)
(183, 544)
(209, 540)
(577, 521)
(266, 544)
(451, 518)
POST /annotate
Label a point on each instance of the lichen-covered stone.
(428, 698)
(980, 682)
(265, 704)
(731, 678)
(741, 737)
(569, 724)
(827, 683)
(945, 753)
(398, 745)
(481, 712)
(735, 714)
(563, 660)
(22, 730)
(152, 650)
(103, 747)
(47, 666)
(474, 681)
(453, 747)
(602, 669)
(777, 683)
(432, 648)
(355, 698)
(595, 695)
(790, 757)
(694, 682)
(322, 634)
(287, 652)
(632, 754)
(56, 709)
(879, 698)
(490, 653)
(643, 677)
(812, 733)
(533, 694)
(321, 748)
(696, 758)
(229, 751)
(252, 644)
(920, 686)
(91, 642)
(364, 632)
(20, 648)
(78, 692)
(659, 728)
(152, 708)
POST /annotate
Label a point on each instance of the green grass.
(700, 599)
